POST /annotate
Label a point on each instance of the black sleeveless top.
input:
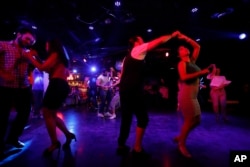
(133, 73)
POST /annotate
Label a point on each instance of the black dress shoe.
(141, 154)
(122, 150)
(17, 144)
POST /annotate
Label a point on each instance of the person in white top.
(104, 85)
(37, 90)
(115, 101)
(218, 93)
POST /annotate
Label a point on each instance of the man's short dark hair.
(26, 29)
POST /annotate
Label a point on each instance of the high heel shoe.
(183, 150)
(69, 138)
(176, 140)
(48, 151)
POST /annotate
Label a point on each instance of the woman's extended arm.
(194, 44)
(45, 66)
(186, 76)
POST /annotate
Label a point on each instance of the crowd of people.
(123, 89)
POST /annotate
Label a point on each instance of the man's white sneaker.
(107, 114)
(100, 115)
(113, 116)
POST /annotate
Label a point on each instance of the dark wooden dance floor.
(210, 143)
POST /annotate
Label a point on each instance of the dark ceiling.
(70, 21)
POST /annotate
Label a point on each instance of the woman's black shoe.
(48, 151)
(69, 138)
(141, 154)
(122, 150)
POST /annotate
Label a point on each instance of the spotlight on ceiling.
(242, 36)
(97, 39)
(197, 39)
(93, 69)
(194, 10)
(149, 30)
(91, 27)
(118, 3)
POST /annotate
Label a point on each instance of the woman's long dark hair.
(177, 43)
(55, 45)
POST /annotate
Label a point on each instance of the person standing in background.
(115, 101)
(218, 93)
(37, 90)
(103, 83)
(15, 87)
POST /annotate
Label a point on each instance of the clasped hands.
(179, 35)
(211, 68)
(30, 54)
